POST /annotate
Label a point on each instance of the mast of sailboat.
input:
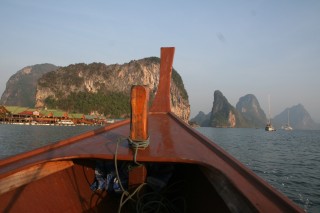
(269, 109)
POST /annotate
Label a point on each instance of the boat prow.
(131, 165)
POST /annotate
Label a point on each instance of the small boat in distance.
(287, 127)
(269, 126)
(66, 122)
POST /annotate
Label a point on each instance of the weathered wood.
(32, 174)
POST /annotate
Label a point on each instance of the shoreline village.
(29, 116)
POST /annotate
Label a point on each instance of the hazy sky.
(238, 47)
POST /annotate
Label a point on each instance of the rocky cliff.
(106, 79)
(21, 87)
(201, 119)
(223, 114)
(249, 107)
(247, 113)
(297, 117)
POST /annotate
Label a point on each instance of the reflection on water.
(288, 160)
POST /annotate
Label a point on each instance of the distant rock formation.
(21, 87)
(248, 113)
(297, 116)
(201, 119)
(249, 107)
(223, 114)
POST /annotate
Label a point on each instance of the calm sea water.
(15, 139)
(289, 161)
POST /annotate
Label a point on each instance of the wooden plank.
(161, 102)
(31, 174)
(139, 113)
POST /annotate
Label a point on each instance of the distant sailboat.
(269, 126)
(287, 126)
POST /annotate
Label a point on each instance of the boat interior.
(67, 186)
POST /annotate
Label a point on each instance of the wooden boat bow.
(171, 142)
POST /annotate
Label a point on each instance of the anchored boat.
(287, 125)
(153, 161)
(269, 126)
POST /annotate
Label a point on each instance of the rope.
(161, 201)
(135, 145)
(138, 144)
(152, 201)
(116, 166)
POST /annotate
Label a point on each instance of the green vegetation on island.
(113, 104)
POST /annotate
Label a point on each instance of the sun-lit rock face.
(21, 87)
(97, 77)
